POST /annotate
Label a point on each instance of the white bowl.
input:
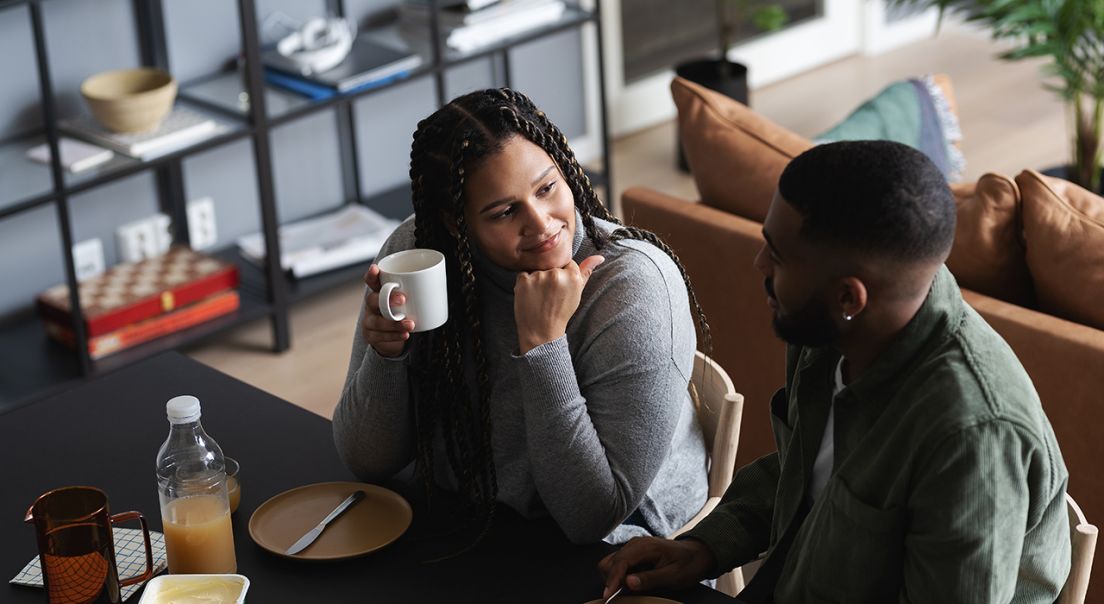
(165, 583)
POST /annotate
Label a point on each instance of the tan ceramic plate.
(636, 600)
(373, 523)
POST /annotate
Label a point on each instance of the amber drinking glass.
(76, 546)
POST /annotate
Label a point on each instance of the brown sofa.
(737, 156)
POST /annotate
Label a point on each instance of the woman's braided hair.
(447, 146)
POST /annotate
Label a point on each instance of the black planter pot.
(1065, 172)
(707, 72)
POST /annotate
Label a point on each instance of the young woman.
(558, 386)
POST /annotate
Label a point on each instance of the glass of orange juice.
(233, 486)
(198, 535)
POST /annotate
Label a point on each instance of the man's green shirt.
(947, 483)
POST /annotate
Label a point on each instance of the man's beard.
(811, 325)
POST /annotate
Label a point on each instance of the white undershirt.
(822, 467)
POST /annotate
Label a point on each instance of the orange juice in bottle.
(195, 509)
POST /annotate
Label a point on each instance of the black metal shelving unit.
(44, 367)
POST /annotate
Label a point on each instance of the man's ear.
(852, 296)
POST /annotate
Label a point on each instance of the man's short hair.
(872, 197)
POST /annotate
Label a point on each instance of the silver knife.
(313, 534)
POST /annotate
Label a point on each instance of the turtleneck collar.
(503, 278)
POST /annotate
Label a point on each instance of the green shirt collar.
(942, 308)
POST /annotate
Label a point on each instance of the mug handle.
(385, 302)
(149, 550)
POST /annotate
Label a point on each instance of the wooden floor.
(1010, 123)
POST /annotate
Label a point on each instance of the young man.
(914, 461)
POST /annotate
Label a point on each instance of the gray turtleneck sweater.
(595, 428)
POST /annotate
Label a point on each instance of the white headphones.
(320, 45)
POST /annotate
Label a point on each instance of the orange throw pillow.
(1064, 233)
(988, 251)
(735, 154)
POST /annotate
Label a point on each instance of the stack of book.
(182, 128)
(136, 302)
(369, 64)
(471, 24)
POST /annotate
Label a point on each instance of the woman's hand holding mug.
(544, 301)
(416, 290)
(387, 337)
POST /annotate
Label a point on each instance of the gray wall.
(203, 35)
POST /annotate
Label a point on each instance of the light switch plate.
(88, 258)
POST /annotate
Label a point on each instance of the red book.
(144, 331)
(130, 292)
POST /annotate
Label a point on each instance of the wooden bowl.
(130, 100)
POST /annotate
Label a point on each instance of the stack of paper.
(76, 156)
(468, 28)
(183, 127)
(350, 235)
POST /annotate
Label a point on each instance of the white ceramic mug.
(420, 275)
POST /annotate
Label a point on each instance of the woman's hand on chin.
(544, 301)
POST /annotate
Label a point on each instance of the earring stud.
(847, 317)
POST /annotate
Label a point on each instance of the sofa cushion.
(1063, 228)
(988, 251)
(735, 154)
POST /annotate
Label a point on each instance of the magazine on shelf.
(183, 127)
(469, 4)
(347, 236)
(472, 37)
(369, 62)
(76, 156)
(318, 92)
(459, 15)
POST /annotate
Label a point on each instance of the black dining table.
(106, 431)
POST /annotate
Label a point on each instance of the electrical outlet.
(162, 231)
(88, 258)
(201, 223)
(146, 238)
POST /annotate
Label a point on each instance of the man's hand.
(670, 563)
(544, 301)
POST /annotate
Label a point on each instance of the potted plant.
(1071, 34)
(718, 73)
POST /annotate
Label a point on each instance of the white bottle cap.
(182, 409)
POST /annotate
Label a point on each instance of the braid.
(486, 495)
(425, 408)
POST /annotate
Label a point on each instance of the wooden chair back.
(719, 409)
(1083, 540)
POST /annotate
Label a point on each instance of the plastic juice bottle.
(191, 481)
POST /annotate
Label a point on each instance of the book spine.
(144, 331)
